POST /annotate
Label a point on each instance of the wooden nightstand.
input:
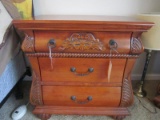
(82, 64)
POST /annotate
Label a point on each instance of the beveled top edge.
(87, 18)
(83, 22)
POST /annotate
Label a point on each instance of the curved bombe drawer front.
(82, 42)
(81, 69)
(81, 96)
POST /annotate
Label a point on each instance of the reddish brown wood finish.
(83, 23)
(127, 93)
(101, 96)
(36, 92)
(43, 37)
(82, 42)
(61, 71)
(70, 110)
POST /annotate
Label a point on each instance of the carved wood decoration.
(81, 45)
(28, 44)
(127, 94)
(44, 116)
(82, 55)
(36, 94)
(119, 117)
(136, 46)
(83, 41)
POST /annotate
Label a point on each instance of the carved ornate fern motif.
(28, 44)
(36, 95)
(127, 94)
(136, 46)
(82, 41)
(44, 116)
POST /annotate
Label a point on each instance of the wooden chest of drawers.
(82, 64)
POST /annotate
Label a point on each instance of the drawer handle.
(89, 98)
(52, 43)
(73, 69)
(113, 45)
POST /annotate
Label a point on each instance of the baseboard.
(148, 76)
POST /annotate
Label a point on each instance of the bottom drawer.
(81, 96)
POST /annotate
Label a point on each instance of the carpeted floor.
(142, 109)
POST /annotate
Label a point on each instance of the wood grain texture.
(101, 96)
(70, 110)
(84, 84)
(61, 70)
(36, 93)
(72, 76)
(84, 23)
(43, 37)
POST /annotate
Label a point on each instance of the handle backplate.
(73, 69)
(74, 98)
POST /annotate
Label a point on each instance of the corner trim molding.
(136, 46)
(28, 44)
(36, 94)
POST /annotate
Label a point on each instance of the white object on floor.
(19, 112)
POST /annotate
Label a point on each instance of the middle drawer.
(81, 69)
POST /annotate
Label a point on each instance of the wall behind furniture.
(106, 7)
(95, 7)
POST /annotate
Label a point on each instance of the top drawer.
(82, 42)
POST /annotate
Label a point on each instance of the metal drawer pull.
(113, 45)
(73, 69)
(89, 98)
(52, 43)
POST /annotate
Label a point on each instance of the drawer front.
(81, 69)
(81, 96)
(78, 42)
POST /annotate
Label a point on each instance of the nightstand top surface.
(75, 22)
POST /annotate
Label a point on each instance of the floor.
(150, 87)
